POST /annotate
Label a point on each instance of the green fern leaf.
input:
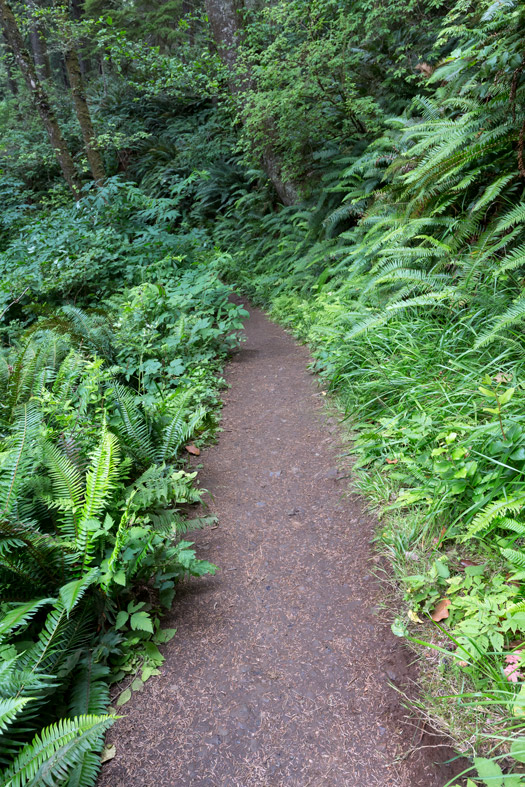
(51, 755)
(499, 508)
(71, 593)
(10, 708)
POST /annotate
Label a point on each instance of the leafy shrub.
(97, 404)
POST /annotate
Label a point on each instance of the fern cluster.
(91, 484)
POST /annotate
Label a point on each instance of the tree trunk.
(39, 48)
(11, 81)
(83, 115)
(38, 96)
(225, 21)
(187, 8)
(77, 12)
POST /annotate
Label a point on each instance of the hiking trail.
(280, 669)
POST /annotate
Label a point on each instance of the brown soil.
(279, 673)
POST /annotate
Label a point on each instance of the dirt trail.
(279, 674)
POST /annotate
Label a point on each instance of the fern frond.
(101, 476)
(10, 708)
(513, 315)
(16, 467)
(513, 525)
(179, 429)
(51, 755)
(499, 508)
(68, 487)
(514, 557)
(514, 216)
(72, 592)
(135, 431)
(21, 614)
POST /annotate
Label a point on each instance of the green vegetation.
(98, 400)
(356, 167)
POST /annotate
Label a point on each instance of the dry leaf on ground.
(108, 753)
(441, 610)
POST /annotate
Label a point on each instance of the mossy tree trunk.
(83, 114)
(8, 63)
(38, 96)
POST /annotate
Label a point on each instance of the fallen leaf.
(193, 450)
(124, 697)
(467, 562)
(108, 752)
(441, 610)
(392, 461)
(414, 617)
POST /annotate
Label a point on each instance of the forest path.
(278, 674)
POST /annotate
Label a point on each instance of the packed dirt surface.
(280, 671)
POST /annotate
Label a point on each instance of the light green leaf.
(486, 392)
(518, 749)
(489, 771)
(122, 619)
(164, 635)
(153, 653)
(442, 569)
(120, 578)
(124, 697)
(506, 396)
(141, 621)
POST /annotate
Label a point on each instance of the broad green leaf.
(518, 749)
(489, 771)
(506, 396)
(120, 578)
(122, 619)
(164, 635)
(153, 653)
(124, 697)
(486, 392)
(442, 569)
(141, 621)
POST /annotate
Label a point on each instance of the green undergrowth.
(115, 331)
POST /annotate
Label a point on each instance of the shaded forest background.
(357, 168)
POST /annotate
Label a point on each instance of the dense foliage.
(395, 135)
(110, 367)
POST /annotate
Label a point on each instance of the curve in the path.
(279, 673)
